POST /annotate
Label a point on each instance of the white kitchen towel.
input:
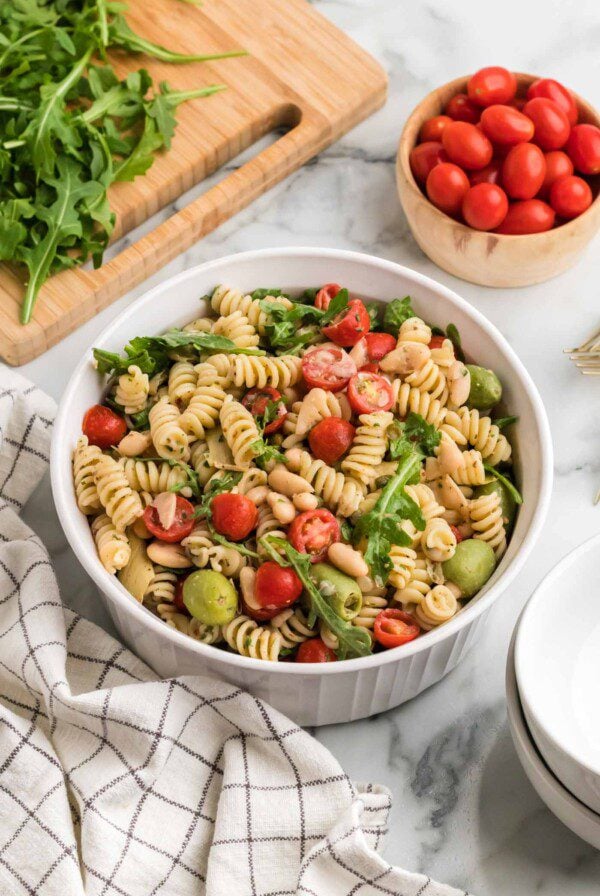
(113, 782)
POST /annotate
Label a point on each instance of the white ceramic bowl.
(577, 817)
(335, 692)
(557, 659)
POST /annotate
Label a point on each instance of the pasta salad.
(307, 478)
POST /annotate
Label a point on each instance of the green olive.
(486, 388)
(210, 597)
(340, 591)
(507, 502)
(471, 566)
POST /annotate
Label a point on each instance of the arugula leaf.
(263, 453)
(415, 431)
(290, 329)
(382, 526)
(192, 482)
(347, 531)
(454, 337)
(336, 306)
(509, 486)
(141, 419)
(373, 309)
(353, 640)
(262, 293)
(396, 312)
(502, 422)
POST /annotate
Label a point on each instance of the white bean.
(282, 507)
(281, 480)
(347, 560)
(258, 495)
(460, 384)
(247, 579)
(305, 501)
(134, 444)
(406, 358)
(171, 555)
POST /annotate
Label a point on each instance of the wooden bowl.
(489, 259)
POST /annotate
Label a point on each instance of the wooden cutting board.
(302, 73)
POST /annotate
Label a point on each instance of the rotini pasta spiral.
(429, 378)
(203, 552)
(290, 425)
(414, 330)
(418, 586)
(268, 524)
(161, 589)
(132, 390)
(237, 327)
(423, 496)
(182, 382)
(369, 446)
(315, 406)
(200, 461)
(112, 546)
(485, 514)
(225, 301)
(293, 627)
(411, 399)
(240, 431)
(339, 492)
(438, 606)
(203, 410)
(122, 504)
(438, 541)
(248, 638)
(149, 476)
(465, 426)
(252, 371)
(471, 471)
(444, 355)
(403, 563)
(372, 606)
(170, 440)
(85, 458)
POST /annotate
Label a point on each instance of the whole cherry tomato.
(315, 651)
(327, 367)
(446, 187)
(234, 516)
(369, 392)
(313, 531)
(570, 196)
(392, 628)
(379, 345)
(491, 85)
(528, 216)
(506, 126)
(424, 157)
(349, 325)
(555, 91)
(325, 295)
(558, 164)
(467, 145)
(551, 124)
(584, 148)
(181, 525)
(523, 171)
(276, 586)
(433, 127)
(485, 206)
(330, 439)
(103, 427)
(461, 108)
(257, 401)
(491, 174)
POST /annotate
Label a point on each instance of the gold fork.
(587, 356)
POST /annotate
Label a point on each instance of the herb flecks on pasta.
(299, 477)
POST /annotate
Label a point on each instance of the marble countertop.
(464, 811)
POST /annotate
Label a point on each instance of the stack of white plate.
(553, 690)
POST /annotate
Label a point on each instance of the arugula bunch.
(395, 313)
(289, 330)
(353, 641)
(71, 127)
(382, 526)
(151, 353)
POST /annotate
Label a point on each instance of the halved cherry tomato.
(370, 367)
(570, 196)
(234, 516)
(491, 85)
(485, 206)
(424, 157)
(457, 533)
(103, 427)
(436, 341)
(327, 367)
(256, 400)
(523, 171)
(467, 145)
(392, 628)
(251, 607)
(178, 595)
(379, 345)
(506, 126)
(433, 127)
(330, 439)
(326, 294)
(315, 651)
(349, 325)
(584, 148)
(558, 164)
(491, 174)
(552, 126)
(181, 526)
(461, 108)
(276, 587)
(528, 216)
(446, 187)
(313, 531)
(555, 91)
(369, 392)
